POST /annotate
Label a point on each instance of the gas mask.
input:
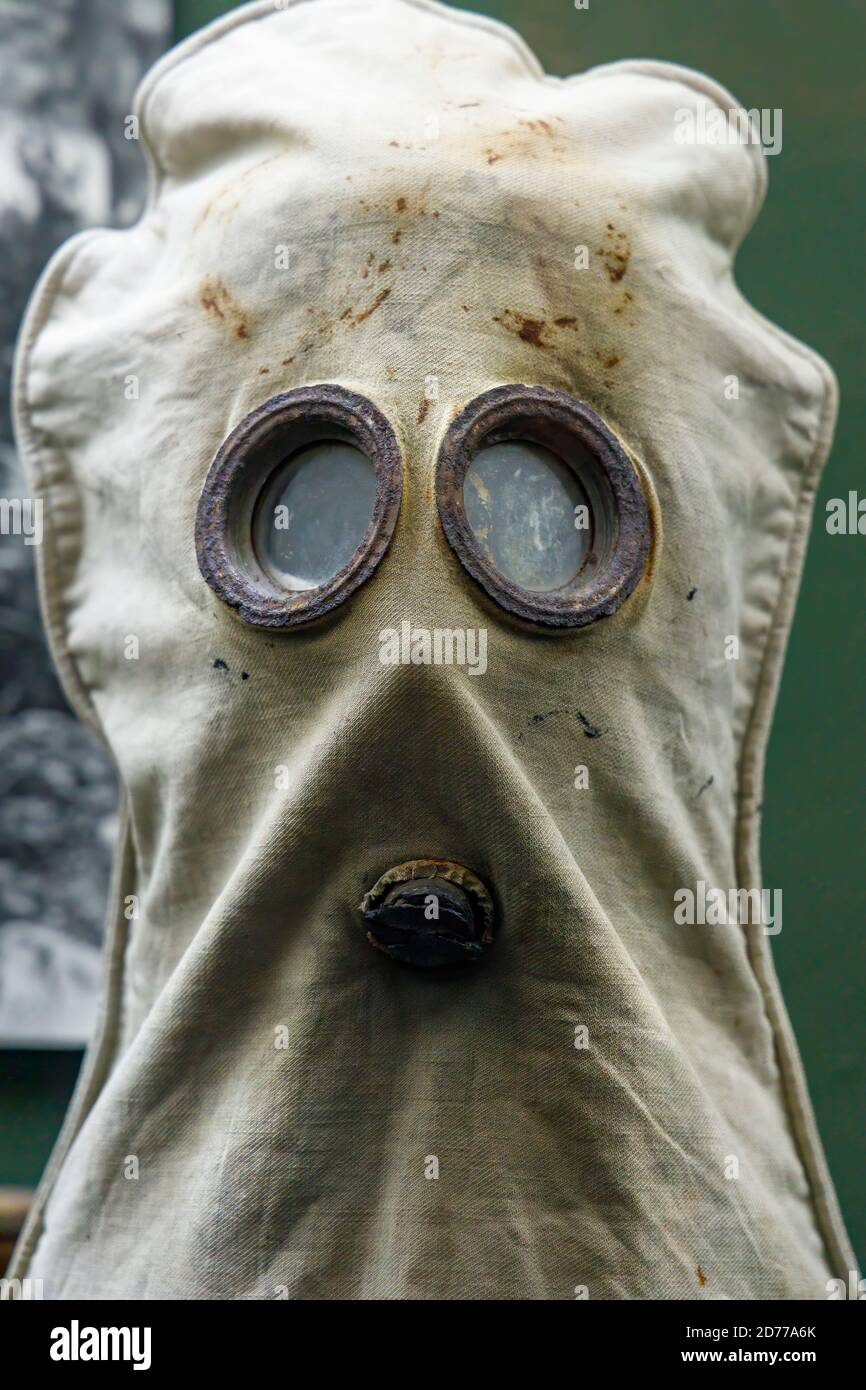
(424, 509)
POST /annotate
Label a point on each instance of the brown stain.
(403, 205)
(627, 298)
(521, 141)
(220, 305)
(264, 371)
(371, 309)
(702, 1278)
(616, 253)
(540, 126)
(287, 361)
(612, 361)
(348, 316)
(205, 212)
(616, 268)
(527, 329)
(210, 303)
(536, 332)
(422, 411)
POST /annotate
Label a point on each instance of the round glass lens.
(313, 514)
(529, 514)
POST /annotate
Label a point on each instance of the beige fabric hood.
(377, 196)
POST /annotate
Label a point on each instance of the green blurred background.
(802, 266)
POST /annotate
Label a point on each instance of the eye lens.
(528, 513)
(299, 506)
(314, 513)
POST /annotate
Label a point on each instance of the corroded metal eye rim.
(240, 472)
(581, 440)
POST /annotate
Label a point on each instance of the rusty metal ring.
(572, 431)
(240, 471)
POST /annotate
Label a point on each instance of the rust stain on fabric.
(537, 332)
(542, 127)
(521, 141)
(371, 309)
(529, 330)
(347, 318)
(422, 411)
(702, 1278)
(221, 306)
(616, 253)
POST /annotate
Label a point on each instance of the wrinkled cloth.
(282, 1087)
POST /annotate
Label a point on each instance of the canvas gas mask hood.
(399, 517)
